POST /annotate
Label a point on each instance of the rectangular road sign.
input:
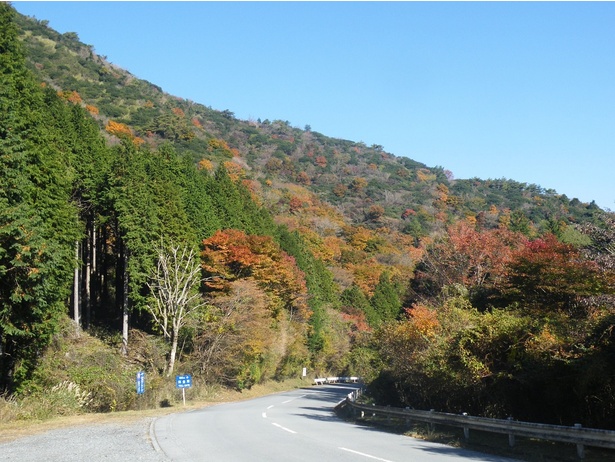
(183, 381)
(140, 382)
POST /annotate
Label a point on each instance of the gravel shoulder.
(91, 437)
(111, 441)
(117, 436)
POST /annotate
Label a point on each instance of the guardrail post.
(580, 447)
(466, 430)
(432, 426)
(511, 436)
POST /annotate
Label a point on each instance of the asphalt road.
(299, 425)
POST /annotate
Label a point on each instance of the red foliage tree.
(547, 274)
(465, 256)
(321, 161)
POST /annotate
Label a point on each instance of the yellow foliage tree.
(118, 129)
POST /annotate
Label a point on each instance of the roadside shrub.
(80, 373)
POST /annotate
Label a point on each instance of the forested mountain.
(485, 296)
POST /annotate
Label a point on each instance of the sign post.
(183, 382)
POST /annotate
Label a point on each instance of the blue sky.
(517, 90)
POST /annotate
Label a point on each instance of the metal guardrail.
(577, 434)
(323, 380)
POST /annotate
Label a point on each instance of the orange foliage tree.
(340, 190)
(231, 255)
(71, 96)
(178, 112)
(234, 170)
(118, 129)
(303, 178)
(358, 184)
(205, 164)
(358, 236)
(219, 146)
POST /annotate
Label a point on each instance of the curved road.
(299, 425)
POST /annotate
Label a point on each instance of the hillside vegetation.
(485, 296)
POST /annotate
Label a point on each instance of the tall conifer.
(38, 223)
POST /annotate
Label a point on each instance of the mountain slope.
(333, 169)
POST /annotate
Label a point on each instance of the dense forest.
(177, 237)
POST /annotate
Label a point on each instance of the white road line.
(264, 415)
(270, 407)
(292, 399)
(284, 428)
(365, 455)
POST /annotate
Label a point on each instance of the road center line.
(292, 399)
(365, 455)
(284, 428)
(270, 407)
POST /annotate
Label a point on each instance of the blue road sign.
(140, 382)
(183, 381)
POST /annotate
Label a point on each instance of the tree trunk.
(87, 251)
(93, 287)
(104, 278)
(174, 341)
(125, 309)
(76, 286)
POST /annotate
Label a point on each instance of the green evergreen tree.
(144, 195)
(235, 208)
(386, 302)
(198, 204)
(319, 282)
(38, 222)
(354, 297)
(146, 198)
(226, 200)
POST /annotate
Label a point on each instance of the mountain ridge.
(276, 151)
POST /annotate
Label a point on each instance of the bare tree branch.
(175, 295)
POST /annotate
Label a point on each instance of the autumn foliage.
(474, 258)
(545, 273)
(231, 255)
(118, 129)
(71, 96)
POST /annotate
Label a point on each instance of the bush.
(81, 373)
